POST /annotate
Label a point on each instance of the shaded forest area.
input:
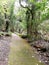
(30, 20)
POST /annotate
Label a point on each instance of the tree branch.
(23, 6)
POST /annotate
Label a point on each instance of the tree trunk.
(29, 28)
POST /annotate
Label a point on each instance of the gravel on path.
(4, 50)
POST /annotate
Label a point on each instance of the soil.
(4, 49)
(42, 55)
(14, 50)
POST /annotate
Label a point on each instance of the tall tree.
(33, 14)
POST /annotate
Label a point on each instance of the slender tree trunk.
(29, 27)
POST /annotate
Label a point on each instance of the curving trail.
(21, 53)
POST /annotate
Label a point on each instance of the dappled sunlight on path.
(21, 53)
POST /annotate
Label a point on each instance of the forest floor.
(41, 48)
(16, 51)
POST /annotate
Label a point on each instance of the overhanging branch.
(23, 6)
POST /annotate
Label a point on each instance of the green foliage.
(40, 12)
(7, 6)
(37, 12)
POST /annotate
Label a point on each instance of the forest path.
(21, 53)
(4, 49)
